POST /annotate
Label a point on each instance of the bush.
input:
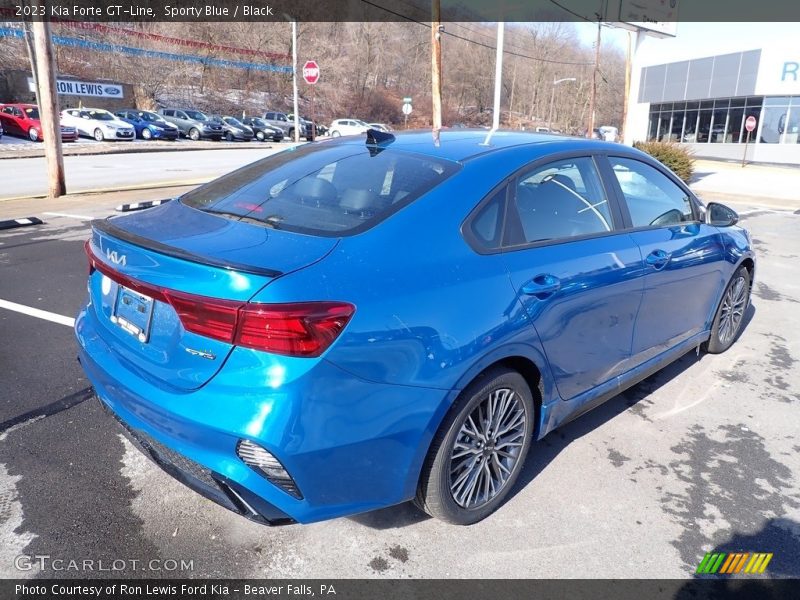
(674, 156)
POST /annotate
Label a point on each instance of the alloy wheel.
(732, 311)
(487, 449)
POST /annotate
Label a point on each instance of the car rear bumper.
(349, 445)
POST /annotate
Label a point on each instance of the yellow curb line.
(130, 188)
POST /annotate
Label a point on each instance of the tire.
(730, 313)
(147, 134)
(290, 135)
(33, 134)
(229, 137)
(194, 134)
(444, 492)
(98, 135)
(260, 136)
(335, 133)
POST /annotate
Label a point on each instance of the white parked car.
(98, 124)
(348, 127)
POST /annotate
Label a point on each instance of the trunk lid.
(144, 261)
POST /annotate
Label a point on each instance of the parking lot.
(702, 456)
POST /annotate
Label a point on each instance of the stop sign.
(750, 123)
(311, 72)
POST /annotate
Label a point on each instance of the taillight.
(297, 329)
(304, 329)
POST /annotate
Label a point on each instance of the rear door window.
(562, 199)
(334, 190)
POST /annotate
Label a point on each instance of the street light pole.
(553, 97)
(294, 82)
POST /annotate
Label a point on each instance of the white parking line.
(79, 217)
(38, 313)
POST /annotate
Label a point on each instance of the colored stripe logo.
(723, 563)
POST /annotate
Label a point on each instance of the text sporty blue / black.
(345, 326)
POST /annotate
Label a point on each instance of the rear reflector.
(303, 329)
(262, 461)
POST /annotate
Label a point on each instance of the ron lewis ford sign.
(71, 87)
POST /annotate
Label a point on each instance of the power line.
(477, 43)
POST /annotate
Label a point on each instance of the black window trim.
(611, 197)
(613, 184)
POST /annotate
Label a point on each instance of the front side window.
(333, 190)
(562, 199)
(653, 199)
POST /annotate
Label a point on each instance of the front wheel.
(335, 134)
(260, 136)
(478, 452)
(147, 134)
(194, 134)
(229, 137)
(730, 313)
(33, 134)
(98, 135)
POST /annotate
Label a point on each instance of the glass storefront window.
(651, 132)
(776, 101)
(734, 131)
(719, 126)
(663, 126)
(690, 129)
(773, 124)
(677, 126)
(704, 125)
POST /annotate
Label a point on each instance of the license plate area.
(133, 312)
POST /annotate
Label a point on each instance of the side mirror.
(720, 215)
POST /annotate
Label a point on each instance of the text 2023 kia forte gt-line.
(346, 326)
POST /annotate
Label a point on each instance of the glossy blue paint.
(352, 427)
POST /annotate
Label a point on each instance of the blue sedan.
(346, 326)
(148, 125)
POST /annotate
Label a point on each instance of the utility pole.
(593, 96)
(627, 88)
(294, 82)
(436, 64)
(48, 107)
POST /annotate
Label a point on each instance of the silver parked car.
(193, 123)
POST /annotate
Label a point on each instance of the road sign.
(311, 72)
(750, 123)
(407, 100)
(406, 109)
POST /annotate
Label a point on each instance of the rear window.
(333, 190)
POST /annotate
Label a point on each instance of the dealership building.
(703, 102)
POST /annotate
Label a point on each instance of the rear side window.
(487, 225)
(653, 199)
(562, 199)
(333, 190)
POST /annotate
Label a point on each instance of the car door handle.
(542, 286)
(658, 259)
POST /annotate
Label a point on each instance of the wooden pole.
(48, 107)
(436, 65)
(593, 96)
(627, 89)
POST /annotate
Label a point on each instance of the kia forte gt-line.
(346, 326)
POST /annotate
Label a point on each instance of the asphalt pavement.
(26, 177)
(702, 456)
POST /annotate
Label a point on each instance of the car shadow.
(544, 451)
